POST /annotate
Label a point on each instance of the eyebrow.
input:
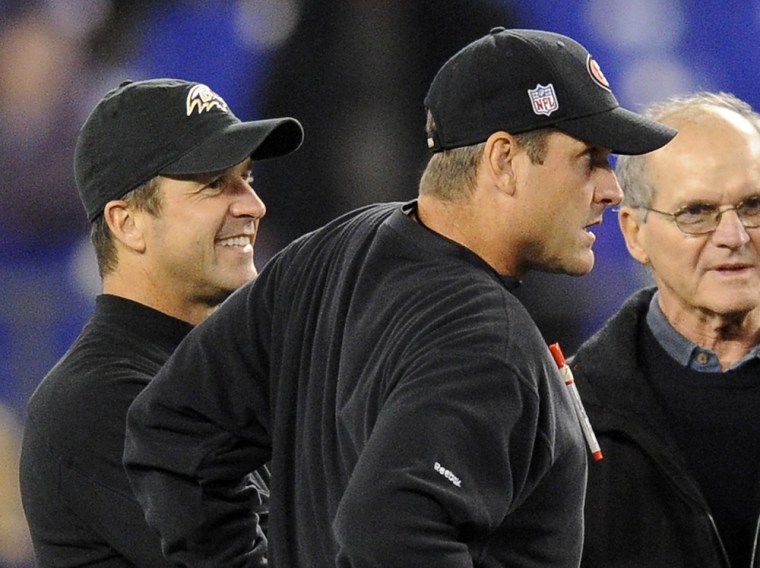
(716, 203)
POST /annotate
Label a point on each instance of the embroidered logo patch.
(543, 99)
(202, 99)
(596, 73)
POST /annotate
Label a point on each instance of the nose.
(608, 191)
(730, 231)
(247, 203)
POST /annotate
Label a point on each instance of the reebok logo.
(448, 474)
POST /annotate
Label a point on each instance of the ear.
(631, 226)
(497, 162)
(125, 225)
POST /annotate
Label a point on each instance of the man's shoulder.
(93, 382)
(350, 225)
(341, 242)
(623, 324)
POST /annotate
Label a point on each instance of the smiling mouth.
(239, 241)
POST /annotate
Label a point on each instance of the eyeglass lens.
(704, 217)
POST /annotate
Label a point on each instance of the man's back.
(378, 369)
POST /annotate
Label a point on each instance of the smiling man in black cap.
(411, 411)
(163, 169)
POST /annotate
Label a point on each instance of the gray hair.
(631, 170)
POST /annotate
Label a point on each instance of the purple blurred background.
(354, 72)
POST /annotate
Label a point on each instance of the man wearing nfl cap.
(410, 409)
(163, 168)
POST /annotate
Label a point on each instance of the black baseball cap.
(167, 126)
(522, 80)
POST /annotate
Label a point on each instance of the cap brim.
(261, 139)
(620, 130)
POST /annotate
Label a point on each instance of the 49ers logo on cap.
(203, 99)
(543, 99)
(596, 73)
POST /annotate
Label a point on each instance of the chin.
(578, 266)
(239, 277)
(577, 262)
(223, 289)
(736, 308)
(233, 285)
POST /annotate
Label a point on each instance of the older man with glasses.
(672, 381)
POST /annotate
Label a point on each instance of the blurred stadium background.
(355, 73)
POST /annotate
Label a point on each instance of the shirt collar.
(410, 215)
(685, 352)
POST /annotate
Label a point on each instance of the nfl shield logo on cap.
(543, 99)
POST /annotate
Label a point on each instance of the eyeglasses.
(702, 218)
